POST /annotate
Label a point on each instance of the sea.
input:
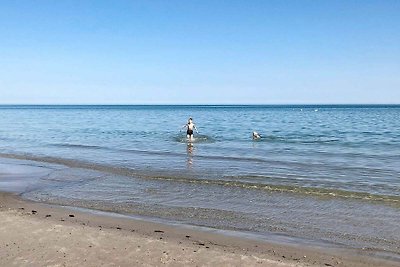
(323, 174)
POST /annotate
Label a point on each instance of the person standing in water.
(189, 129)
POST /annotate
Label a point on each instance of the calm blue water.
(319, 172)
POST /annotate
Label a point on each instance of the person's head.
(190, 120)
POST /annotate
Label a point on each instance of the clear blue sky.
(199, 52)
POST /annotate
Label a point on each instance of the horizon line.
(230, 104)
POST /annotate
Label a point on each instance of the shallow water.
(328, 173)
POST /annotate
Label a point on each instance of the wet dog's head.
(256, 135)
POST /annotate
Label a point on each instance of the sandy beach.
(35, 234)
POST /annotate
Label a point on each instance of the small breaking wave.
(68, 145)
(197, 139)
(236, 182)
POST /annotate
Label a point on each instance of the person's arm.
(194, 126)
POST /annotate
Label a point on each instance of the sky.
(200, 52)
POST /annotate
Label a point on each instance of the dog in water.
(256, 136)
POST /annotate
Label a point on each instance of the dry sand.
(34, 234)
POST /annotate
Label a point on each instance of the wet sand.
(36, 234)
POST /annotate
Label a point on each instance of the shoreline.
(35, 233)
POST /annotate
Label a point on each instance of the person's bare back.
(190, 126)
